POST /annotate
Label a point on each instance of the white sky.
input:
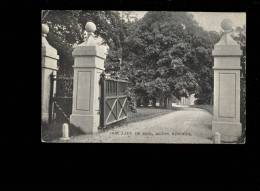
(211, 20)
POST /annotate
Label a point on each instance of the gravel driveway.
(189, 125)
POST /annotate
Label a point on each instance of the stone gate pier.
(49, 66)
(88, 65)
(226, 112)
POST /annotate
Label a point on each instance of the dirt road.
(189, 125)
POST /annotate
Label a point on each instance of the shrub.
(243, 109)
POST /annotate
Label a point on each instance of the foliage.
(168, 54)
(243, 108)
(64, 32)
(67, 30)
(240, 36)
(131, 100)
(164, 54)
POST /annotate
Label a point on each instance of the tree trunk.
(169, 102)
(138, 102)
(154, 102)
(161, 102)
(165, 102)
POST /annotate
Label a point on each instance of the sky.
(211, 20)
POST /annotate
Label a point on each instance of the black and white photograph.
(169, 77)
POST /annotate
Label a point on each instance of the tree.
(168, 54)
(164, 54)
(67, 30)
(64, 32)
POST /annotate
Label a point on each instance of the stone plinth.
(49, 66)
(226, 112)
(88, 65)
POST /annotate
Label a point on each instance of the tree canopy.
(67, 29)
(163, 54)
(168, 53)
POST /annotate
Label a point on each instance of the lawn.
(146, 113)
(209, 108)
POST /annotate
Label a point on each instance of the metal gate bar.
(113, 101)
(60, 101)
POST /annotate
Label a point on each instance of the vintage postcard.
(143, 77)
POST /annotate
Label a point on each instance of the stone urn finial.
(89, 39)
(45, 30)
(90, 27)
(226, 37)
(227, 25)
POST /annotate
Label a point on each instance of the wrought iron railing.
(61, 97)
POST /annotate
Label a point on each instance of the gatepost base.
(87, 123)
(230, 131)
(45, 117)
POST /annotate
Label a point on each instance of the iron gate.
(61, 101)
(113, 100)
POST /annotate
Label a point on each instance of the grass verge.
(209, 108)
(146, 113)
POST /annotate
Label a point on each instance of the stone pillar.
(88, 65)
(49, 66)
(226, 113)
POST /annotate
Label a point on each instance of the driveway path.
(189, 125)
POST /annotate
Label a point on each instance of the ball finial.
(45, 29)
(226, 25)
(90, 27)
